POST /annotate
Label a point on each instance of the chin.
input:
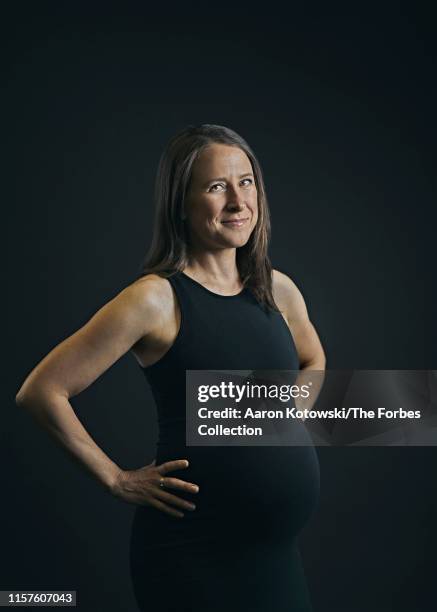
(238, 243)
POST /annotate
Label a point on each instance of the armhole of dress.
(177, 291)
(179, 336)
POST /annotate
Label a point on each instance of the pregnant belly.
(247, 491)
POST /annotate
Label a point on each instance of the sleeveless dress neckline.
(213, 292)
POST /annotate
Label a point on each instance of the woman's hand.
(148, 486)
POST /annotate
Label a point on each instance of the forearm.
(56, 415)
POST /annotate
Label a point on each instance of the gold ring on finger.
(161, 482)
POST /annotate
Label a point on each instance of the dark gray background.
(338, 104)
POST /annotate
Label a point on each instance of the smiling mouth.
(235, 222)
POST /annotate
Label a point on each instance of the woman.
(215, 528)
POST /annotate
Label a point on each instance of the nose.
(235, 198)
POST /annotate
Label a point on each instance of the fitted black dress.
(237, 550)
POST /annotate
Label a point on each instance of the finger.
(175, 483)
(167, 509)
(169, 466)
(174, 499)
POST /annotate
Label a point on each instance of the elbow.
(19, 398)
(35, 392)
(22, 398)
(318, 362)
(322, 361)
(28, 394)
(23, 393)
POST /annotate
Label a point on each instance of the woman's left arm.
(309, 348)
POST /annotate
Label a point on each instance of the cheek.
(255, 216)
(205, 212)
(255, 206)
(254, 199)
(211, 208)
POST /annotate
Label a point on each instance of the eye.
(215, 185)
(212, 188)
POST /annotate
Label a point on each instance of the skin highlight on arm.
(309, 348)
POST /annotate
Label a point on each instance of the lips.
(237, 222)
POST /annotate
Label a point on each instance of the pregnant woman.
(215, 528)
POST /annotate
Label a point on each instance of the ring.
(161, 482)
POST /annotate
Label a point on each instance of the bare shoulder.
(152, 296)
(149, 290)
(288, 297)
(283, 283)
(161, 314)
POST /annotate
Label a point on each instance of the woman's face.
(222, 189)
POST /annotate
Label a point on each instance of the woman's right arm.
(136, 312)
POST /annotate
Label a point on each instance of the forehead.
(219, 159)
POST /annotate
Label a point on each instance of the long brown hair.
(168, 252)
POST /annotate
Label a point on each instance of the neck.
(218, 270)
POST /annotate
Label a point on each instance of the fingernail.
(192, 507)
(194, 488)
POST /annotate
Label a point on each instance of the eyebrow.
(223, 178)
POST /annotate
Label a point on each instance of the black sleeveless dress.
(237, 550)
